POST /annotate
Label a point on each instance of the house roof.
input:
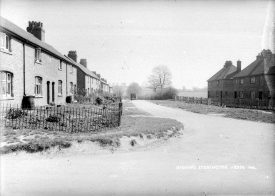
(83, 68)
(255, 68)
(28, 37)
(226, 72)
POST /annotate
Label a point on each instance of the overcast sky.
(124, 40)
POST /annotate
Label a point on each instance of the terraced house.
(252, 86)
(32, 68)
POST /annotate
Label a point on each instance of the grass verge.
(134, 123)
(237, 113)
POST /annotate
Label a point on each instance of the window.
(237, 81)
(252, 80)
(38, 55)
(71, 69)
(38, 86)
(60, 87)
(60, 65)
(241, 81)
(241, 95)
(235, 94)
(5, 42)
(260, 95)
(252, 95)
(6, 84)
(71, 87)
(261, 80)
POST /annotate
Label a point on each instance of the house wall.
(260, 85)
(13, 62)
(48, 70)
(71, 77)
(81, 81)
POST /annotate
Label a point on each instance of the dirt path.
(214, 156)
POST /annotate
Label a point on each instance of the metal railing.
(71, 118)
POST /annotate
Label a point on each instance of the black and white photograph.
(137, 97)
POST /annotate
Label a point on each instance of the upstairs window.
(38, 86)
(60, 65)
(71, 87)
(252, 80)
(60, 87)
(6, 84)
(241, 95)
(241, 81)
(38, 55)
(71, 69)
(5, 42)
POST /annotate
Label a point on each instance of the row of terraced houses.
(254, 85)
(31, 67)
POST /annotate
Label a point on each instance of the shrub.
(53, 118)
(15, 113)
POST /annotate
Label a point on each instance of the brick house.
(253, 86)
(220, 85)
(87, 81)
(31, 67)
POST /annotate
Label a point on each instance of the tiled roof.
(255, 68)
(226, 72)
(84, 69)
(9, 26)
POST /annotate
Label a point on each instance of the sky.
(124, 40)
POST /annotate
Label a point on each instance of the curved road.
(214, 156)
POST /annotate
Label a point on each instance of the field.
(198, 94)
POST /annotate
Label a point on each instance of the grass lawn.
(134, 123)
(237, 113)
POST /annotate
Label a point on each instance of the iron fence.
(266, 104)
(71, 118)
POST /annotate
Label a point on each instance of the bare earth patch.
(136, 125)
(237, 113)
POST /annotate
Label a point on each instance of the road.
(214, 156)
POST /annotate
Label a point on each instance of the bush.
(167, 93)
(52, 118)
(15, 113)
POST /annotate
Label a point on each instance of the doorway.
(48, 92)
(53, 92)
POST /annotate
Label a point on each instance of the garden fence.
(229, 102)
(71, 118)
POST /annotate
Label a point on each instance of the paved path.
(214, 156)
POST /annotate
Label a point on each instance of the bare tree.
(160, 77)
(133, 88)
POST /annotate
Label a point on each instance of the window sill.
(6, 51)
(6, 98)
(60, 95)
(38, 62)
(38, 96)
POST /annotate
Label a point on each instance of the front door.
(53, 92)
(48, 92)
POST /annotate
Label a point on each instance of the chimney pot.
(83, 62)
(239, 65)
(36, 28)
(73, 55)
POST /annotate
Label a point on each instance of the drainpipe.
(24, 71)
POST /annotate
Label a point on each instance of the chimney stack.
(73, 55)
(83, 62)
(36, 28)
(239, 66)
(227, 64)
